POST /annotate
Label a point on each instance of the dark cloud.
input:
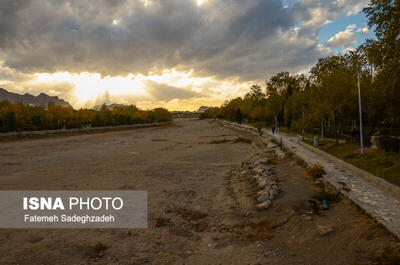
(249, 39)
(162, 92)
(9, 13)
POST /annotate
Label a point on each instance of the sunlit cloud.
(149, 91)
(344, 38)
(177, 54)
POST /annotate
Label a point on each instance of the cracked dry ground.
(201, 208)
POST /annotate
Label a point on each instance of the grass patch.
(389, 256)
(161, 221)
(190, 215)
(344, 186)
(242, 140)
(382, 164)
(305, 134)
(316, 171)
(279, 144)
(301, 162)
(223, 141)
(258, 231)
(208, 136)
(326, 193)
(96, 250)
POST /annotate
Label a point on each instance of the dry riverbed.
(202, 202)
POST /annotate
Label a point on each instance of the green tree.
(333, 81)
(384, 53)
(10, 121)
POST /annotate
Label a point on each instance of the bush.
(316, 171)
(160, 115)
(74, 124)
(389, 256)
(326, 194)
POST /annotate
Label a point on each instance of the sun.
(88, 87)
(200, 2)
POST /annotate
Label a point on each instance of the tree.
(333, 82)
(10, 121)
(239, 116)
(384, 53)
(273, 107)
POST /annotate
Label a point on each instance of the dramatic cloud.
(344, 38)
(220, 39)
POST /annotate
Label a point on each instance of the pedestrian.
(273, 130)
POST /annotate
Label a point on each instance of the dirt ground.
(201, 206)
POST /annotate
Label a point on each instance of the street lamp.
(359, 105)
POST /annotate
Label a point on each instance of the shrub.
(160, 115)
(327, 194)
(316, 171)
(389, 256)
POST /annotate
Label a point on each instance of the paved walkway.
(381, 204)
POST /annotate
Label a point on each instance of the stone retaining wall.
(375, 196)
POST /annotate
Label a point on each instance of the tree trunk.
(322, 130)
(334, 128)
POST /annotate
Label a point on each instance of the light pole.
(361, 124)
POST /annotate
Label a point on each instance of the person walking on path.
(273, 130)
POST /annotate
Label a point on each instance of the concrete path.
(380, 203)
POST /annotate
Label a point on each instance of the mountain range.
(203, 109)
(41, 100)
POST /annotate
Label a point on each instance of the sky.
(177, 54)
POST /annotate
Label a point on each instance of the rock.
(275, 188)
(264, 205)
(260, 192)
(272, 194)
(280, 155)
(272, 182)
(260, 166)
(324, 229)
(264, 161)
(262, 182)
(257, 177)
(260, 169)
(263, 197)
